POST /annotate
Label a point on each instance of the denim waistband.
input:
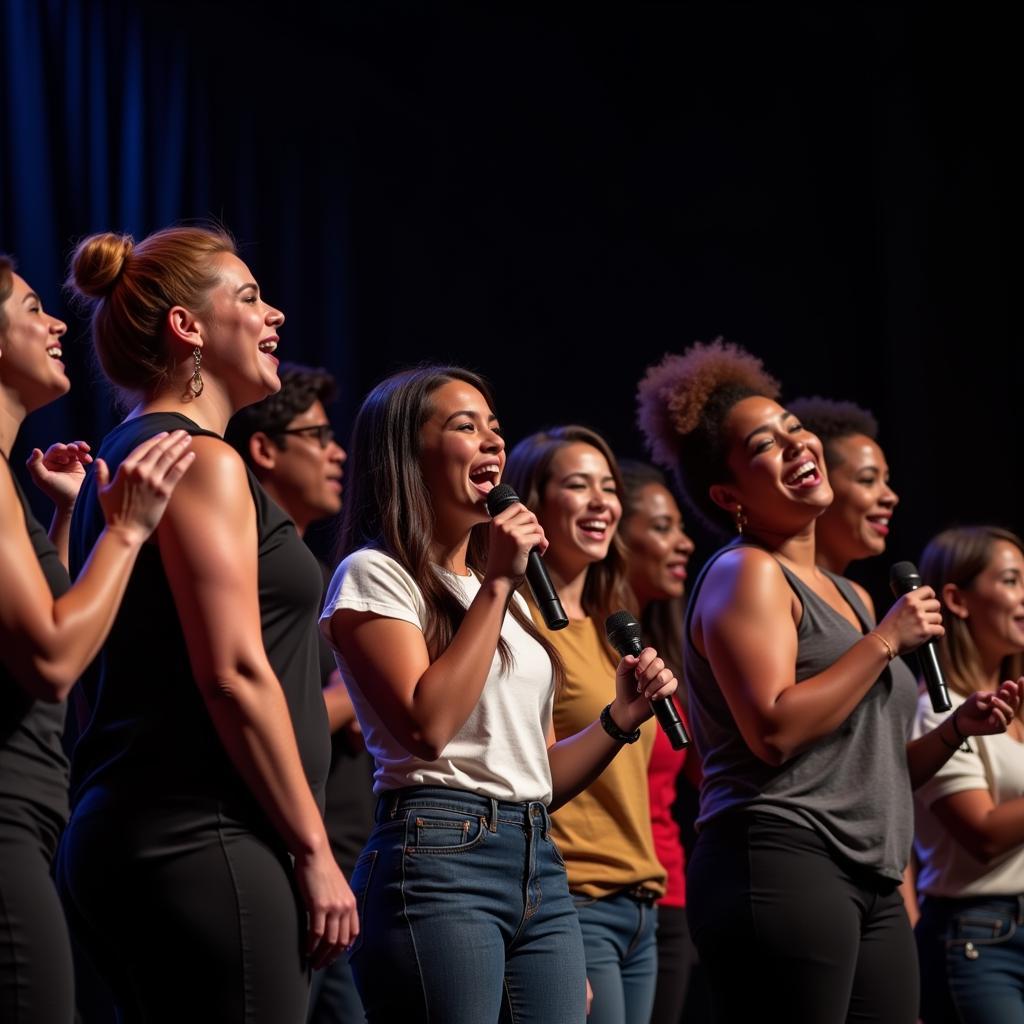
(952, 904)
(395, 801)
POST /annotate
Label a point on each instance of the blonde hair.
(130, 288)
(959, 556)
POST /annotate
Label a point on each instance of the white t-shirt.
(501, 750)
(997, 766)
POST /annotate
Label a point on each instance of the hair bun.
(98, 262)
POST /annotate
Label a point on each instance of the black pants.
(787, 932)
(188, 916)
(676, 955)
(36, 978)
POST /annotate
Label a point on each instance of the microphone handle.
(665, 712)
(933, 678)
(544, 593)
(672, 725)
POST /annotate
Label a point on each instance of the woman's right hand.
(136, 498)
(914, 619)
(515, 532)
(333, 917)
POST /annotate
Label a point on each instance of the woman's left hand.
(985, 713)
(638, 681)
(59, 471)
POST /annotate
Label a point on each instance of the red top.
(662, 771)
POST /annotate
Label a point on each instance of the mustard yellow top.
(604, 834)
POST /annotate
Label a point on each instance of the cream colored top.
(501, 750)
(604, 834)
(996, 766)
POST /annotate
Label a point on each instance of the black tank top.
(150, 738)
(33, 769)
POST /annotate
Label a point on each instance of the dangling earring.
(741, 520)
(195, 385)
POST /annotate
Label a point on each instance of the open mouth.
(485, 477)
(805, 475)
(55, 352)
(593, 529)
(880, 524)
(677, 570)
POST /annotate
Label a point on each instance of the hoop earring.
(741, 520)
(195, 384)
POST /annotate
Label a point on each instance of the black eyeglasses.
(323, 432)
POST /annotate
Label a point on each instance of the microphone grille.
(499, 498)
(904, 577)
(621, 621)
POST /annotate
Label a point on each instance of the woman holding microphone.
(465, 910)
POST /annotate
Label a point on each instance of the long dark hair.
(958, 556)
(387, 504)
(662, 620)
(528, 470)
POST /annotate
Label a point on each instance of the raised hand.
(514, 533)
(135, 499)
(914, 619)
(639, 679)
(985, 713)
(59, 471)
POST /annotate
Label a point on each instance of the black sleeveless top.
(33, 769)
(150, 739)
(852, 787)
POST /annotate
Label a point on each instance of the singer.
(49, 632)
(196, 858)
(800, 706)
(658, 551)
(970, 815)
(465, 908)
(570, 477)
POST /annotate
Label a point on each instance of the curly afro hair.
(682, 403)
(832, 420)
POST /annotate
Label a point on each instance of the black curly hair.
(833, 420)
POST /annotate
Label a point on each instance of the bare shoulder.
(745, 575)
(218, 476)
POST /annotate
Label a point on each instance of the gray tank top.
(853, 786)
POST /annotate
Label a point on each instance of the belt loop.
(393, 800)
(493, 823)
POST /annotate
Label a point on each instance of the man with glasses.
(289, 444)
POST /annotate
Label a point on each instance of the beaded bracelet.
(609, 726)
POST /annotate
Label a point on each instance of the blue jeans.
(333, 997)
(465, 914)
(620, 940)
(972, 960)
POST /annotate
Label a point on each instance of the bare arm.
(578, 760)
(46, 643)
(745, 623)
(982, 714)
(423, 704)
(985, 829)
(340, 712)
(212, 572)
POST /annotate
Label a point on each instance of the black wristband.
(614, 731)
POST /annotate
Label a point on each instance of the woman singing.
(466, 914)
(569, 475)
(658, 550)
(857, 523)
(196, 859)
(970, 815)
(49, 632)
(800, 706)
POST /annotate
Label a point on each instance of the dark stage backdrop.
(557, 196)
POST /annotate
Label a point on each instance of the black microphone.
(498, 499)
(623, 633)
(903, 578)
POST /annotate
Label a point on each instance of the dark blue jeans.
(620, 940)
(972, 960)
(333, 998)
(465, 914)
